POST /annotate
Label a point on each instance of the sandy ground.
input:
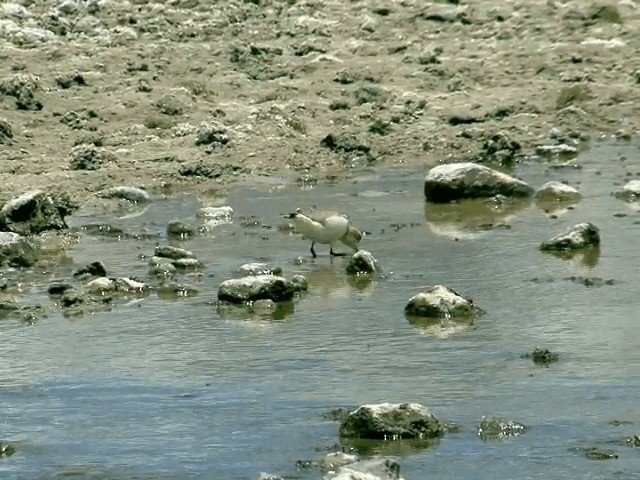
(193, 94)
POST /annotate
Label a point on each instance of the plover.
(327, 228)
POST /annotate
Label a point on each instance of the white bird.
(327, 228)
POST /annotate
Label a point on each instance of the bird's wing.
(322, 216)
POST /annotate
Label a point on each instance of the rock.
(174, 253)
(630, 192)
(176, 228)
(173, 291)
(211, 133)
(58, 288)
(215, 216)
(13, 10)
(492, 428)
(131, 194)
(370, 469)
(333, 461)
(215, 213)
(604, 13)
(6, 132)
(67, 7)
(632, 441)
(355, 153)
(6, 449)
(16, 251)
(259, 269)
(68, 80)
(595, 453)
(34, 212)
(161, 269)
(100, 285)
(582, 235)
(541, 356)
(499, 150)
(121, 36)
(251, 288)
(386, 421)
(95, 269)
(300, 283)
(441, 302)
(190, 264)
(557, 191)
(89, 157)
(454, 181)
(362, 263)
(22, 86)
(126, 285)
(173, 103)
(560, 150)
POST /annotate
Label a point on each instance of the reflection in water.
(439, 327)
(551, 207)
(468, 218)
(388, 448)
(586, 257)
(258, 310)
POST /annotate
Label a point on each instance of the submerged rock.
(455, 181)
(542, 356)
(630, 192)
(362, 263)
(492, 428)
(370, 469)
(387, 421)
(259, 269)
(173, 253)
(557, 191)
(132, 194)
(214, 216)
(16, 251)
(252, 287)
(441, 302)
(582, 235)
(94, 269)
(33, 212)
(331, 462)
(176, 228)
(6, 449)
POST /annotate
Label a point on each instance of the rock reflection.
(469, 218)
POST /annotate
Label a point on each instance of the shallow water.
(174, 389)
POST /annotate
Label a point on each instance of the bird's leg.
(336, 254)
(313, 251)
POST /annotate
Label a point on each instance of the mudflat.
(194, 95)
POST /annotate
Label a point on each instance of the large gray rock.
(33, 212)
(362, 263)
(371, 469)
(387, 421)
(15, 250)
(131, 194)
(580, 236)
(557, 191)
(439, 301)
(454, 181)
(257, 287)
(630, 192)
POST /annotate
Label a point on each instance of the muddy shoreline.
(186, 96)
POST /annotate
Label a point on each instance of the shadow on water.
(172, 385)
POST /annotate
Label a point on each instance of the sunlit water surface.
(173, 390)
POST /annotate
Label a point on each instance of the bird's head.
(352, 238)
